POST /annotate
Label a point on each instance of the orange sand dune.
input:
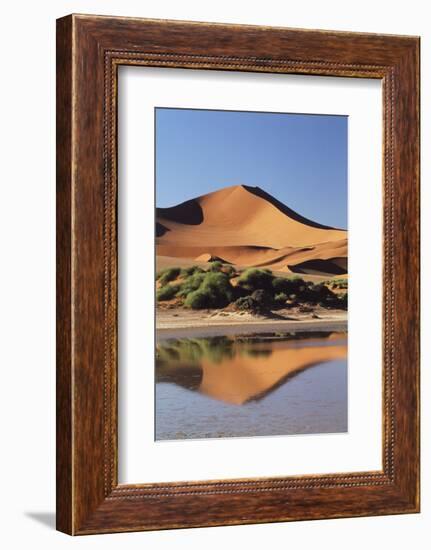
(246, 226)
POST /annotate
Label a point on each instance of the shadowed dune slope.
(246, 226)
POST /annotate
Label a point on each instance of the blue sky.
(299, 159)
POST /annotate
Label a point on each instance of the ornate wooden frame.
(89, 51)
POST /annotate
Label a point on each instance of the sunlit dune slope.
(247, 226)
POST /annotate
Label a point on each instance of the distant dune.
(246, 226)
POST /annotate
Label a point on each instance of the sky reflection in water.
(251, 386)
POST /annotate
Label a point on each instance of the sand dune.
(248, 227)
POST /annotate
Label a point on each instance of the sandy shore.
(180, 323)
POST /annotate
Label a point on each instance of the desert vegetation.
(253, 289)
(337, 283)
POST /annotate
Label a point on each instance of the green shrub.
(187, 271)
(289, 285)
(256, 279)
(325, 297)
(167, 292)
(214, 291)
(198, 299)
(218, 284)
(280, 284)
(167, 275)
(337, 283)
(258, 302)
(161, 273)
(340, 283)
(317, 294)
(191, 283)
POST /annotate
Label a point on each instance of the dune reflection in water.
(256, 385)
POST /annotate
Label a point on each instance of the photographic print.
(251, 278)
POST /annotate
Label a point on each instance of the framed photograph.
(237, 274)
